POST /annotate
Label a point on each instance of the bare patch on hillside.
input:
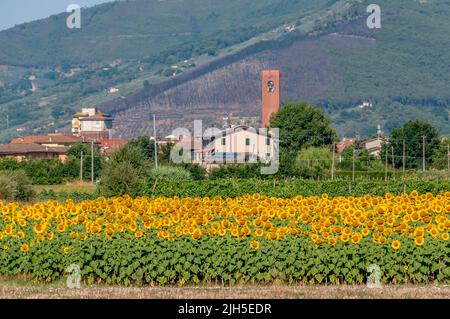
(307, 72)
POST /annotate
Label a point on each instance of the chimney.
(270, 94)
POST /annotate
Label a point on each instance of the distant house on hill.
(373, 146)
(92, 124)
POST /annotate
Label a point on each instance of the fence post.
(386, 165)
(332, 162)
(393, 163)
(404, 159)
(353, 166)
(81, 167)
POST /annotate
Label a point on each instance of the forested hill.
(201, 59)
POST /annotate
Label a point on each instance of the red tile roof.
(48, 139)
(341, 146)
(97, 117)
(113, 143)
(23, 148)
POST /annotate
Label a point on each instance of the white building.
(92, 124)
(238, 144)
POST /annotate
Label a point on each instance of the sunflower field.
(245, 239)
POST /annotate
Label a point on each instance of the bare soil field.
(15, 291)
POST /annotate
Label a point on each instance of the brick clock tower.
(270, 94)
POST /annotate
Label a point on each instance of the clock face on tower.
(271, 86)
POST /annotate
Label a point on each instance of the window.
(224, 141)
(267, 141)
(267, 155)
(271, 86)
(247, 141)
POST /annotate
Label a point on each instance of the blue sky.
(19, 11)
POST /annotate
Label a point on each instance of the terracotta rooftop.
(341, 146)
(97, 117)
(29, 148)
(113, 143)
(48, 139)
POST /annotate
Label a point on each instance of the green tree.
(145, 145)
(440, 155)
(125, 173)
(76, 149)
(413, 134)
(164, 156)
(301, 125)
(314, 162)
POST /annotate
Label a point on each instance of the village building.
(91, 124)
(108, 147)
(25, 151)
(373, 146)
(237, 144)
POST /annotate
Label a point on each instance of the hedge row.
(291, 188)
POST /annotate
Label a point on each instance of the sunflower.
(445, 236)
(38, 229)
(24, 248)
(255, 244)
(356, 238)
(138, 234)
(259, 232)
(419, 240)
(345, 238)
(66, 250)
(395, 244)
(332, 241)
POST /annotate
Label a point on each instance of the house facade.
(91, 124)
(24, 151)
(238, 144)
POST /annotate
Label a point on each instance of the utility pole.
(7, 121)
(353, 166)
(386, 165)
(332, 162)
(393, 161)
(81, 167)
(423, 153)
(92, 162)
(404, 159)
(156, 146)
(448, 157)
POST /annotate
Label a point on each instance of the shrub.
(15, 185)
(125, 173)
(170, 173)
(314, 162)
(237, 171)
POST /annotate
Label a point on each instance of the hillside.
(48, 71)
(202, 58)
(401, 69)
